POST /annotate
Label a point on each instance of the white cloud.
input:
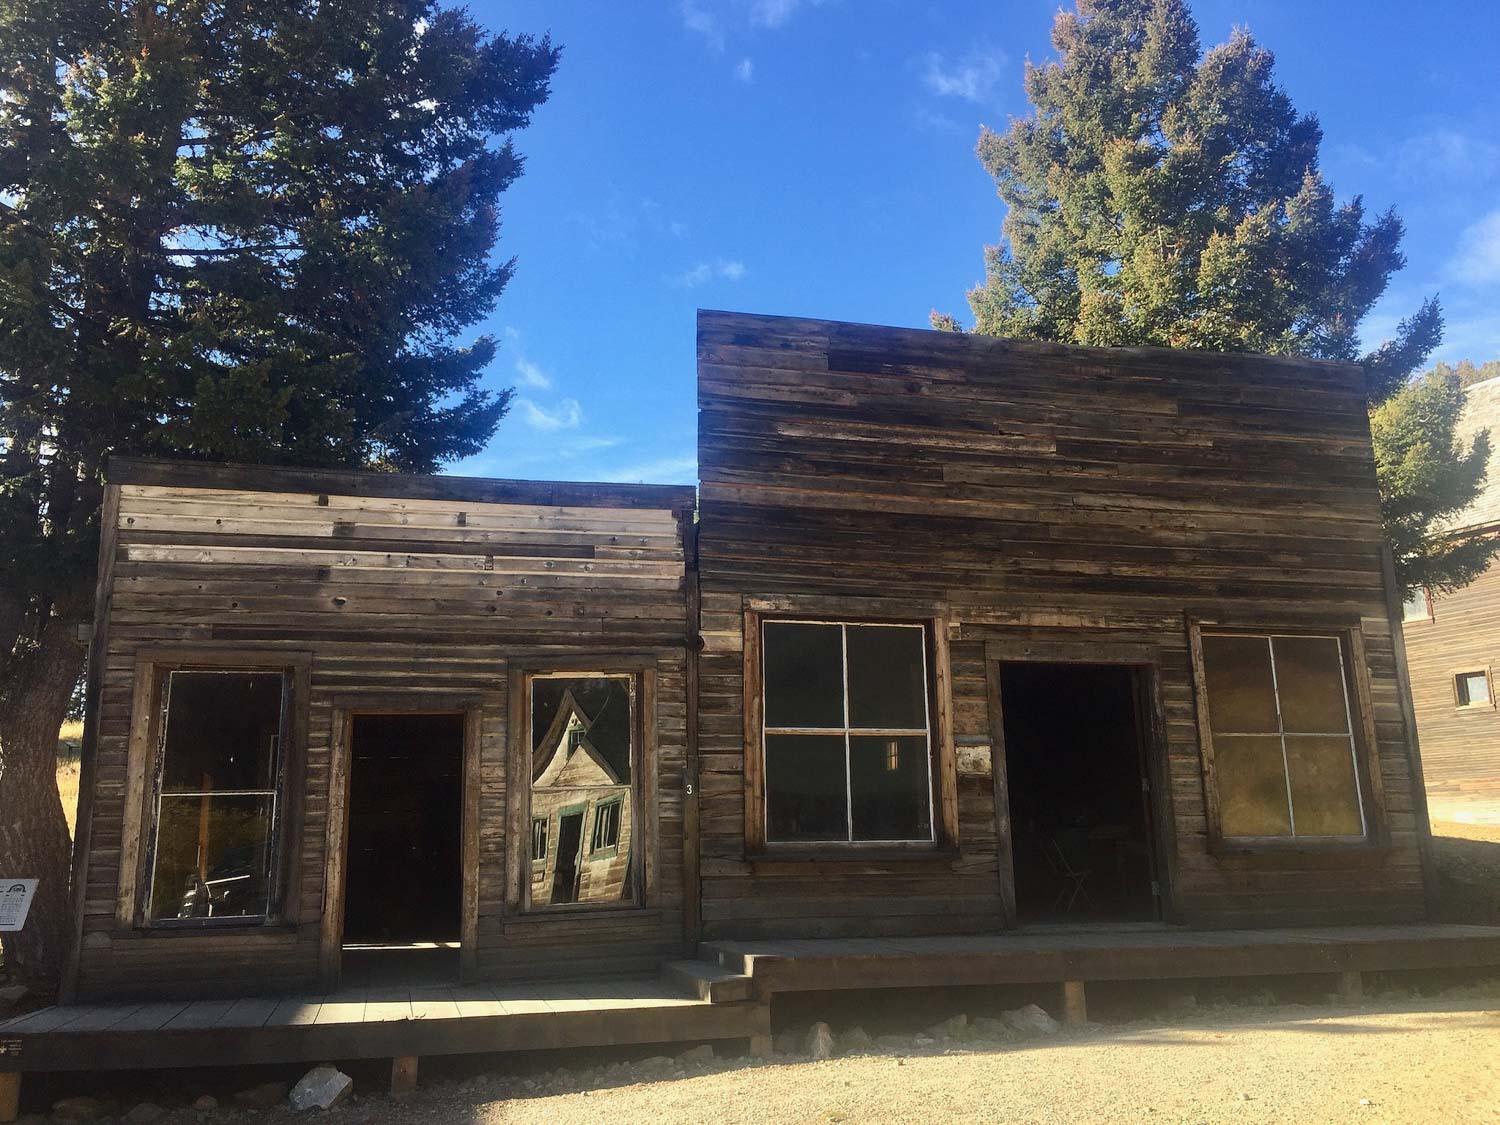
(972, 78)
(700, 18)
(745, 71)
(531, 375)
(714, 19)
(567, 415)
(704, 272)
(663, 470)
(1478, 258)
(1447, 152)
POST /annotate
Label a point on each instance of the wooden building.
(966, 633)
(321, 705)
(1453, 652)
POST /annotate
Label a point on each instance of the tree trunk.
(34, 840)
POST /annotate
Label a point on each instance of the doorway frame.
(1150, 720)
(340, 746)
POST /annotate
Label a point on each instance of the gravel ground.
(1468, 863)
(1389, 1059)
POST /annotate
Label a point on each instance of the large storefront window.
(583, 767)
(217, 793)
(848, 750)
(1283, 739)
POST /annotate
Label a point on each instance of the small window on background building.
(847, 746)
(1472, 688)
(217, 788)
(1418, 605)
(1283, 741)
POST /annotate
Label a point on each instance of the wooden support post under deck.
(10, 1095)
(760, 1046)
(1075, 1007)
(403, 1074)
(1351, 986)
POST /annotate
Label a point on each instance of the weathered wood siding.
(1035, 495)
(402, 587)
(1460, 745)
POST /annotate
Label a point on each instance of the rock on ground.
(698, 1054)
(1031, 1020)
(265, 1096)
(322, 1087)
(855, 1039)
(77, 1109)
(144, 1113)
(820, 1040)
(206, 1103)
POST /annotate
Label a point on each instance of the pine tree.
(1160, 195)
(247, 230)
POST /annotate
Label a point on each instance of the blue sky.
(815, 158)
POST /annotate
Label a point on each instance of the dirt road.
(1386, 1060)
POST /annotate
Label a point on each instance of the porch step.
(708, 981)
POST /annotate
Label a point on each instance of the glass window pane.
(806, 792)
(804, 675)
(1325, 794)
(212, 857)
(581, 795)
(887, 688)
(1415, 608)
(888, 780)
(223, 731)
(1252, 786)
(1241, 697)
(1473, 689)
(581, 730)
(1310, 685)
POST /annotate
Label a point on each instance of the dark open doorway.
(1079, 812)
(403, 883)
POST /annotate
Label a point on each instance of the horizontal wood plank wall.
(1038, 493)
(425, 593)
(1460, 745)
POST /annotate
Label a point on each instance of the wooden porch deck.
(1100, 953)
(376, 1022)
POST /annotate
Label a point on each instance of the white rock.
(819, 1040)
(206, 1103)
(322, 1087)
(1031, 1020)
(855, 1039)
(144, 1113)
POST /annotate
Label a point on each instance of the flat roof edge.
(1038, 347)
(173, 473)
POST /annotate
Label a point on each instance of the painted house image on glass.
(957, 637)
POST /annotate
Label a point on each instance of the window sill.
(801, 859)
(1336, 853)
(185, 929)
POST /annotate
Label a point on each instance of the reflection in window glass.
(1284, 751)
(847, 750)
(582, 768)
(217, 785)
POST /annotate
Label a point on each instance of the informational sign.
(15, 901)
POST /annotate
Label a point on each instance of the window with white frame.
(848, 748)
(216, 795)
(1418, 605)
(1282, 730)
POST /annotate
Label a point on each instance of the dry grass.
(67, 771)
